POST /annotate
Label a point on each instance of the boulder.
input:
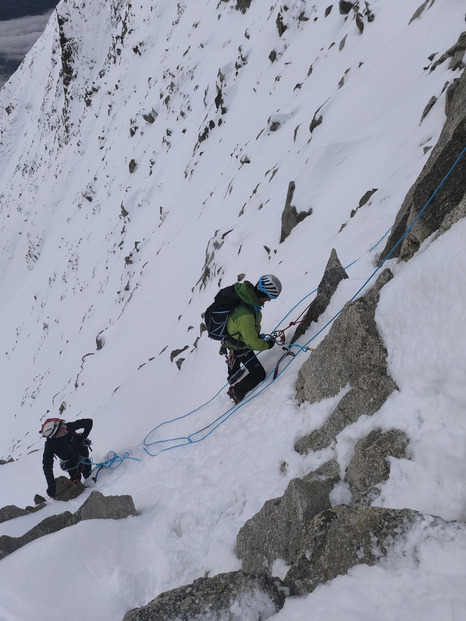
(340, 538)
(278, 529)
(10, 512)
(369, 464)
(100, 507)
(234, 596)
(65, 490)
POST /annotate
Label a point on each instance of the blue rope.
(112, 459)
(196, 436)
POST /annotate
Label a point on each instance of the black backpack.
(216, 315)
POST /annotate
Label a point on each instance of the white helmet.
(270, 285)
(50, 427)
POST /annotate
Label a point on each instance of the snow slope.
(105, 272)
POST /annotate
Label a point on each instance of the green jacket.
(243, 323)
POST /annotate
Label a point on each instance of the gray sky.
(17, 36)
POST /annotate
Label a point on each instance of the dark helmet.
(50, 427)
(270, 285)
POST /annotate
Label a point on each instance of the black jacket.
(68, 448)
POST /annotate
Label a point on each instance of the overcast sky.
(17, 36)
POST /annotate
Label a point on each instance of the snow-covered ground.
(90, 251)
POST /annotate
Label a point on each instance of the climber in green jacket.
(244, 328)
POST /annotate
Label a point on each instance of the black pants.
(77, 468)
(256, 372)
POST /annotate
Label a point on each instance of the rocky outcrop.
(65, 491)
(96, 507)
(235, 596)
(49, 525)
(290, 216)
(334, 273)
(341, 538)
(10, 512)
(278, 530)
(352, 355)
(444, 199)
(369, 464)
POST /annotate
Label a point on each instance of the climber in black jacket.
(72, 448)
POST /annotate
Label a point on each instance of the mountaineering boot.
(233, 396)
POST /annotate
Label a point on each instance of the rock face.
(278, 530)
(352, 354)
(236, 596)
(334, 273)
(340, 538)
(369, 465)
(290, 216)
(449, 147)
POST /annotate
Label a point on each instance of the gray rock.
(97, 506)
(330, 472)
(10, 512)
(447, 197)
(452, 217)
(277, 531)
(345, 7)
(352, 349)
(369, 464)
(100, 507)
(234, 596)
(290, 217)
(50, 525)
(334, 273)
(339, 539)
(366, 397)
(65, 490)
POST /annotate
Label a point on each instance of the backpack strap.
(233, 339)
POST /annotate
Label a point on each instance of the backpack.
(216, 315)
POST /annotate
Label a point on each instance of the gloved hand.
(268, 339)
(51, 491)
(86, 442)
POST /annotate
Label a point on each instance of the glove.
(86, 442)
(51, 491)
(268, 339)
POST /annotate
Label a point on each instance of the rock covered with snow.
(236, 596)
(278, 530)
(441, 165)
(352, 358)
